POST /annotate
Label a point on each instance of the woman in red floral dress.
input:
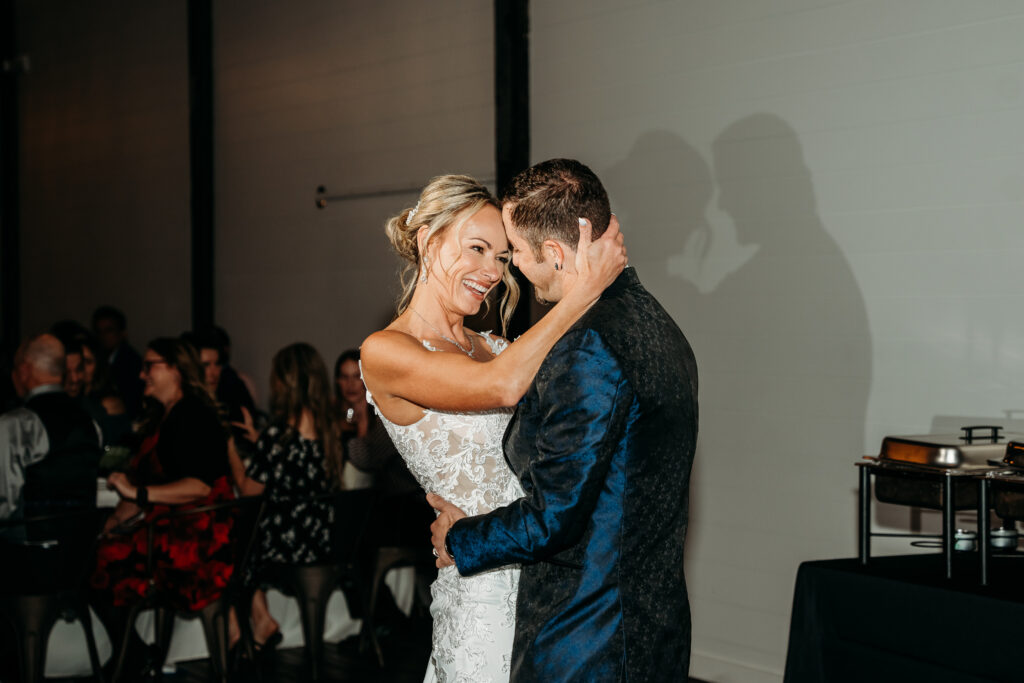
(182, 462)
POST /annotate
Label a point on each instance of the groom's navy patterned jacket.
(603, 443)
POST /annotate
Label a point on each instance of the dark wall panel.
(104, 163)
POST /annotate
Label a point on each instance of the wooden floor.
(406, 650)
(405, 642)
(406, 645)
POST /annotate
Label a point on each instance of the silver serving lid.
(975, 447)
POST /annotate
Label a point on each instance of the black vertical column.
(512, 114)
(200, 101)
(10, 151)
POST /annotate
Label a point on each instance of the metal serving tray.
(922, 486)
(975, 448)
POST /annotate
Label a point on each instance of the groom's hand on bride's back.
(439, 529)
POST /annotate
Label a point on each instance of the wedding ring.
(434, 550)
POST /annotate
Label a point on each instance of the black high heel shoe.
(267, 646)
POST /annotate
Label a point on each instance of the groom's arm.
(583, 402)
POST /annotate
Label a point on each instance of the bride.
(445, 393)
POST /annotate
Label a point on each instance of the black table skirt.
(898, 619)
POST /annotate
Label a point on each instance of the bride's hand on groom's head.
(599, 262)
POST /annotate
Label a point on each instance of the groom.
(602, 443)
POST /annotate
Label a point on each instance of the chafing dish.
(1008, 482)
(946, 472)
(911, 470)
(970, 449)
(1014, 456)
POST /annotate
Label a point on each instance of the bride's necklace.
(472, 345)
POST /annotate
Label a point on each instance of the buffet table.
(899, 619)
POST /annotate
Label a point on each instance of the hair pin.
(408, 219)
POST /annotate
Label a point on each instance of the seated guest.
(49, 448)
(182, 460)
(297, 456)
(230, 392)
(102, 402)
(403, 509)
(96, 373)
(8, 396)
(227, 369)
(110, 325)
(74, 369)
(49, 453)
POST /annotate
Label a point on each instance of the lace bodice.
(459, 456)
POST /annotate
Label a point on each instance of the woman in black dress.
(297, 456)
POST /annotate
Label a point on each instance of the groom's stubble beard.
(539, 295)
(545, 301)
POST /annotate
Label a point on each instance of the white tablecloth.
(67, 653)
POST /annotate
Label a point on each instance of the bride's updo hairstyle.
(445, 203)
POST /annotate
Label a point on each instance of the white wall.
(827, 196)
(359, 97)
(104, 163)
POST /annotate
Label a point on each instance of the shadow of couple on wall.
(737, 252)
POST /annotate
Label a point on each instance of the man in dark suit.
(49, 447)
(603, 443)
(110, 326)
(49, 455)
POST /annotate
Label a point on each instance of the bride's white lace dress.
(459, 457)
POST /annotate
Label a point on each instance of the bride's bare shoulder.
(387, 338)
(382, 345)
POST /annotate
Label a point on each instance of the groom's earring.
(558, 266)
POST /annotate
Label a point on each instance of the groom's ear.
(554, 252)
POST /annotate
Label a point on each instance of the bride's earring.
(426, 267)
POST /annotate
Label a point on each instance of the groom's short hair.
(549, 198)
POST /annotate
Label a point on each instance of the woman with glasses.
(182, 460)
